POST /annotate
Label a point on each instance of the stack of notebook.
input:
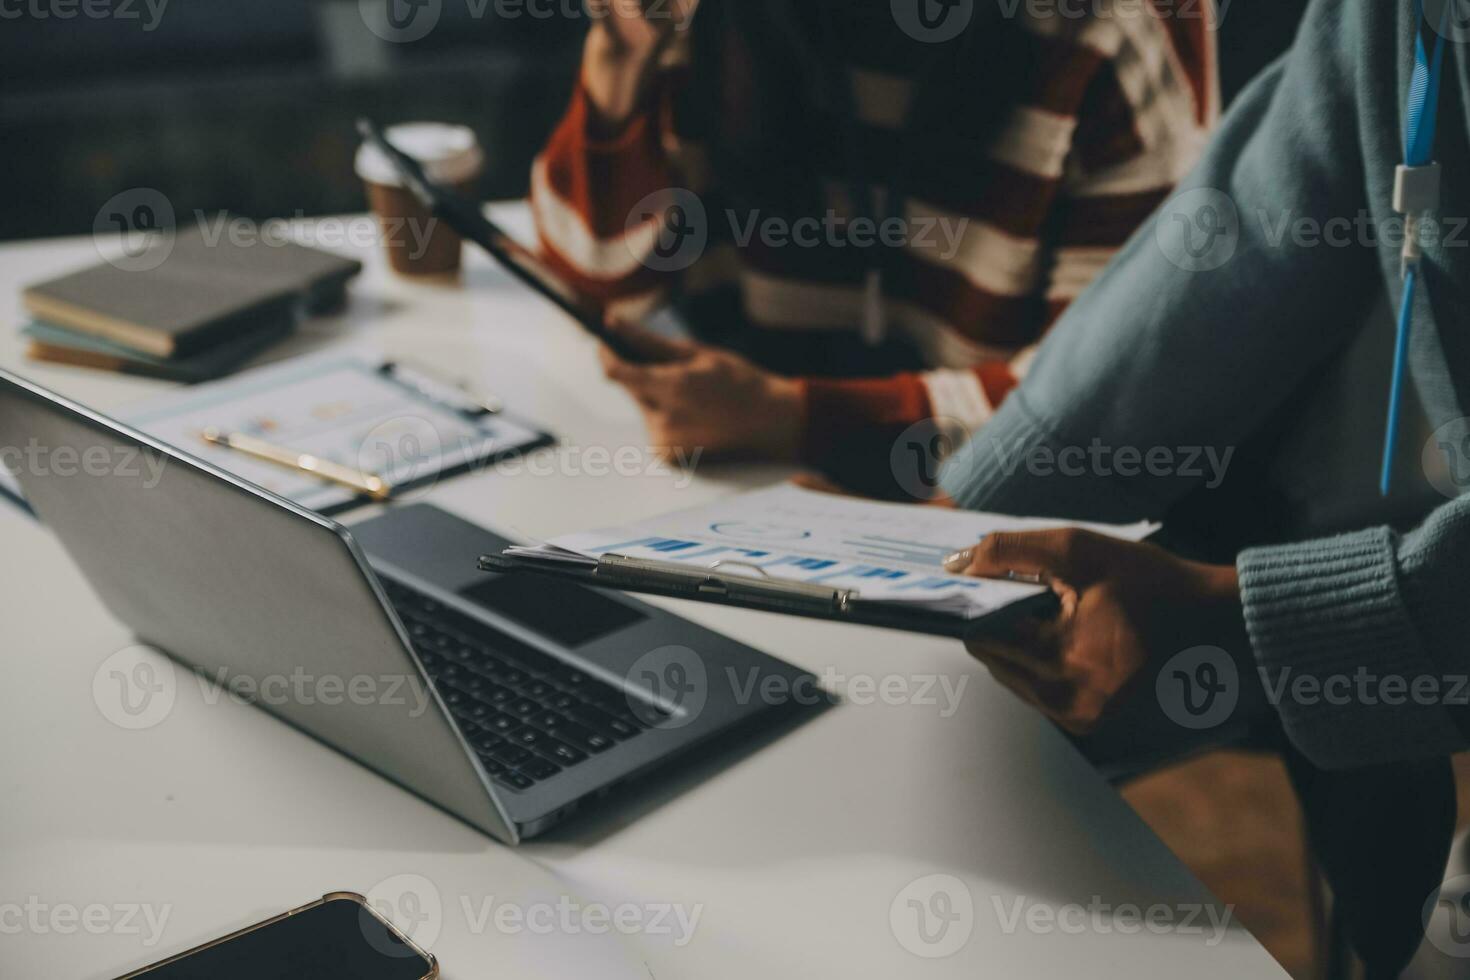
(204, 310)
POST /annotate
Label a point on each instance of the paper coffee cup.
(417, 243)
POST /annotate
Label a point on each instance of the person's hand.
(621, 52)
(700, 398)
(1122, 603)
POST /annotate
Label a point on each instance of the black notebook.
(206, 289)
(57, 345)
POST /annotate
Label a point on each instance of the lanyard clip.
(1415, 193)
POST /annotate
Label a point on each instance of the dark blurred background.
(248, 106)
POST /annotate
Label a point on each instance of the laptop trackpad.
(562, 612)
(443, 549)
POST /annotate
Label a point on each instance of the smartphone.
(340, 937)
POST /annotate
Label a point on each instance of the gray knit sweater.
(1185, 345)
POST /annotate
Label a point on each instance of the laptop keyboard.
(526, 714)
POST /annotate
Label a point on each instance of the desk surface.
(888, 837)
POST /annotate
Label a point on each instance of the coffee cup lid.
(449, 154)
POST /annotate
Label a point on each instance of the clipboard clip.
(707, 581)
(452, 393)
(641, 574)
(743, 564)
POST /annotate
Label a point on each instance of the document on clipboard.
(391, 421)
(808, 553)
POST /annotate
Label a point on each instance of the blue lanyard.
(1416, 192)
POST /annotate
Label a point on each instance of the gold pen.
(368, 484)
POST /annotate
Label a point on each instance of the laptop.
(509, 702)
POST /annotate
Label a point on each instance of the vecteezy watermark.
(1198, 230)
(135, 688)
(919, 452)
(401, 21)
(134, 230)
(933, 916)
(416, 906)
(674, 14)
(1451, 18)
(1446, 917)
(1362, 230)
(137, 229)
(411, 234)
(1199, 688)
(1446, 457)
(940, 233)
(942, 692)
(409, 451)
(43, 461)
(669, 230)
(37, 917)
(669, 687)
(932, 21)
(566, 916)
(1103, 918)
(674, 463)
(413, 904)
(147, 13)
(1365, 687)
(406, 21)
(301, 687)
(1205, 463)
(937, 21)
(1212, 14)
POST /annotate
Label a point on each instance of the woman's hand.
(621, 52)
(1123, 603)
(700, 398)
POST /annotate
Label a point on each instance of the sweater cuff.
(836, 408)
(852, 424)
(581, 114)
(1338, 654)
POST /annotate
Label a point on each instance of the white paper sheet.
(886, 552)
(334, 405)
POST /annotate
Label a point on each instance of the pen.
(368, 484)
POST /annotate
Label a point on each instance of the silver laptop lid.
(236, 582)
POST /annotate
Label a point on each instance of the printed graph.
(881, 548)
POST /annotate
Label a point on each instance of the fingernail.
(959, 561)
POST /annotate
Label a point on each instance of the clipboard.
(353, 406)
(766, 593)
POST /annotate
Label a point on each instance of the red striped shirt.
(1113, 109)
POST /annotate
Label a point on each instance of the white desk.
(794, 853)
